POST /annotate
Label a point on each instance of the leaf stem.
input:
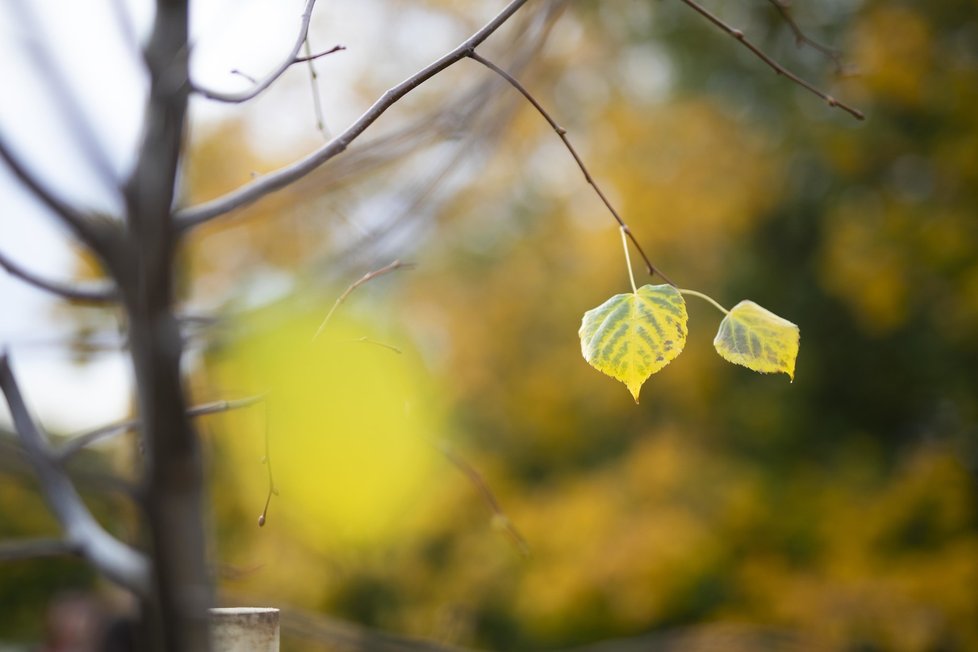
(694, 293)
(628, 259)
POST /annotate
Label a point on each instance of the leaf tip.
(635, 389)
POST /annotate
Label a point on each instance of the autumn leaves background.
(839, 508)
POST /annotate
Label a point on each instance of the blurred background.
(728, 510)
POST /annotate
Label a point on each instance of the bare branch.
(75, 220)
(562, 133)
(317, 102)
(93, 295)
(118, 561)
(35, 548)
(499, 517)
(281, 178)
(260, 86)
(267, 461)
(78, 442)
(366, 278)
(803, 39)
(312, 57)
(777, 67)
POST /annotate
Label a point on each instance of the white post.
(244, 629)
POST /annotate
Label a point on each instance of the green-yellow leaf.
(758, 339)
(632, 336)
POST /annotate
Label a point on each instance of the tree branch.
(366, 278)
(98, 296)
(281, 178)
(317, 102)
(119, 562)
(35, 548)
(803, 39)
(71, 448)
(562, 133)
(260, 86)
(774, 65)
(499, 517)
(75, 220)
(319, 55)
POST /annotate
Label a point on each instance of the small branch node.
(318, 55)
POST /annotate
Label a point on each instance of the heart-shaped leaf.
(758, 339)
(632, 336)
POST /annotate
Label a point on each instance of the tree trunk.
(173, 489)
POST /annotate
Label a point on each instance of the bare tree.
(168, 569)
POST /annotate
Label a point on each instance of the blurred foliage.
(841, 507)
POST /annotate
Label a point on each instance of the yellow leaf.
(632, 336)
(758, 339)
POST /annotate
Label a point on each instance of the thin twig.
(562, 133)
(235, 71)
(369, 276)
(499, 517)
(260, 86)
(85, 295)
(308, 58)
(384, 345)
(267, 461)
(801, 38)
(252, 192)
(78, 442)
(35, 549)
(118, 561)
(774, 65)
(317, 103)
(312, 57)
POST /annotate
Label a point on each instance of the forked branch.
(118, 561)
(252, 192)
(801, 38)
(290, 60)
(774, 65)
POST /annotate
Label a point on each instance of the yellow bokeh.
(351, 421)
